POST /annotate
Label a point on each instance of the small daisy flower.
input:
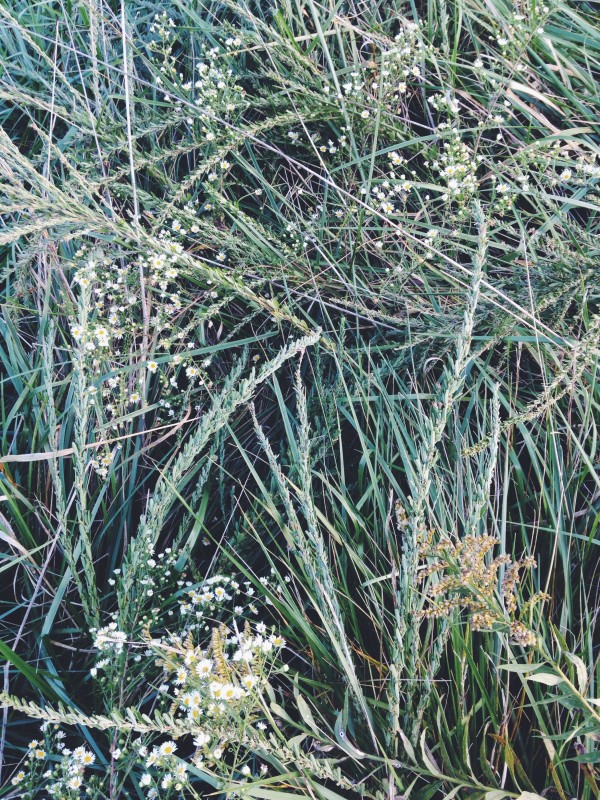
(203, 668)
(168, 748)
(181, 676)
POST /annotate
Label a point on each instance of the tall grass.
(299, 351)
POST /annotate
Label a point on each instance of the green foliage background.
(387, 356)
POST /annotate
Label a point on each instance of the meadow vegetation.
(299, 337)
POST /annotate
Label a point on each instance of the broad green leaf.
(547, 678)
(520, 668)
(582, 673)
(33, 676)
(342, 739)
(410, 750)
(306, 714)
(427, 758)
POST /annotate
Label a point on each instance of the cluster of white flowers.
(168, 772)
(109, 638)
(589, 169)
(354, 84)
(201, 687)
(393, 188)
(163, 266)
(203, 601)
(108, 280)
(165, 771)
(215, 89)
(163, 25)
(214, 668)
(113, 300)
(457, 167)
(52, 765)
(156, 580)
(108, 328)
(385, 75)
(445, 102)
(401, 65)
(102, 463)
